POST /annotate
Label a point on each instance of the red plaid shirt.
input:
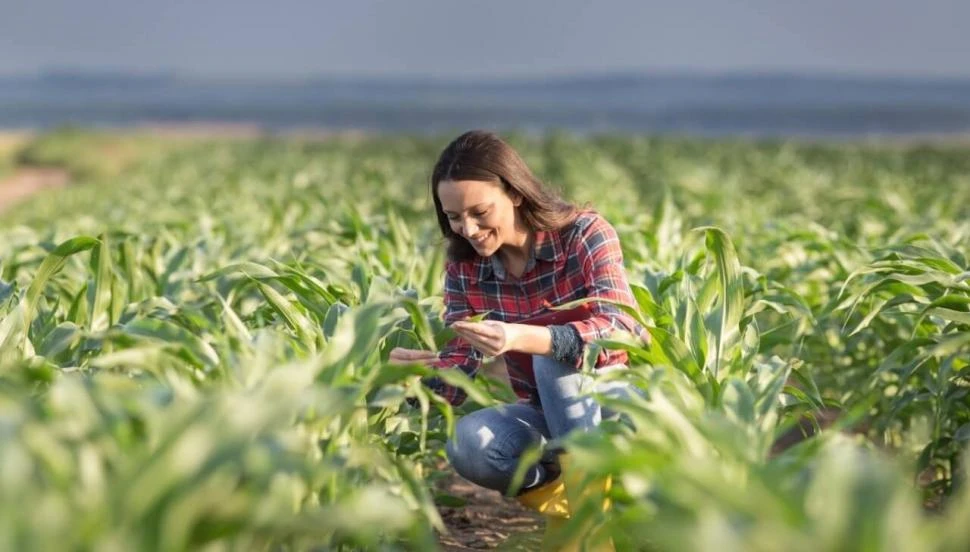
(583, 259)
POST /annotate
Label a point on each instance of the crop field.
(10, 144)
(193, 345)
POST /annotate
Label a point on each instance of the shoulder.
(592, 239)
(588, 226)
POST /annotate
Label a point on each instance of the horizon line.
(55, 71)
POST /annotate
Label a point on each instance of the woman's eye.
(456, 218)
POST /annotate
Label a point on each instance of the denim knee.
(567, 395)
(564, 393)
(486, 448)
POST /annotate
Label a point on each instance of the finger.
(478, 329)
(473, 326)
(472, 338)
(405, 361)
(399, 352)
(479, 340)
(417, 352)
(418, 358)
(412, 354)
(481, 345)
(493, 340)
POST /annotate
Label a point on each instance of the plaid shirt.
(583, 259)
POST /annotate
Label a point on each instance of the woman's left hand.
(491, 337)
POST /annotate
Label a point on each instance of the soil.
(488, 520)
(26, 181)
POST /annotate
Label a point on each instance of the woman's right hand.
(400, 355)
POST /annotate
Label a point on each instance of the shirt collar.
(545, 248)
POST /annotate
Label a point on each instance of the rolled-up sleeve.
(457, 353)
(601, 260)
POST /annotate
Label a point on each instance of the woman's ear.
(516, 198)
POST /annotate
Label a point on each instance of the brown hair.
(483, 156)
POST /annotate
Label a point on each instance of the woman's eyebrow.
(468, 209)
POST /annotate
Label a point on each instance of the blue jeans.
(488, 442)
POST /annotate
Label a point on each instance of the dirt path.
(29, 180)
(488, 521)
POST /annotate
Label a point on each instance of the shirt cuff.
(567, 345)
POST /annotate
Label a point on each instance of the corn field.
(193, 347)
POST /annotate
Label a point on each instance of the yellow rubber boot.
(551, 501)
(581, 489)
(548, 500)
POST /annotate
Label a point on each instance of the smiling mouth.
(481, 240)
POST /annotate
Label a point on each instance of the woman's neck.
(516, 255)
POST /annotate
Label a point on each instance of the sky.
(496, 38)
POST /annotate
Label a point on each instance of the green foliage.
(193, 348)
(10, 146)
(88, 154)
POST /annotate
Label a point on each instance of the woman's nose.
(468, 228)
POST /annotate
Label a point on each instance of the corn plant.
(194, 344)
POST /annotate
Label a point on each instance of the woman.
(515, 248)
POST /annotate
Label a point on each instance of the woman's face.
(481, 212)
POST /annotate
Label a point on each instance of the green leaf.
(446, 335)
(169, 333)
(667, 349)
(731, 296)
(247, 269)
(17, 324)
(100, 315)
(457, 378)
(422, 329)
(64, 336)
(293, 318)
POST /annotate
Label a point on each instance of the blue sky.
(295, 38)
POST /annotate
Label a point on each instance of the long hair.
(483, 156)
